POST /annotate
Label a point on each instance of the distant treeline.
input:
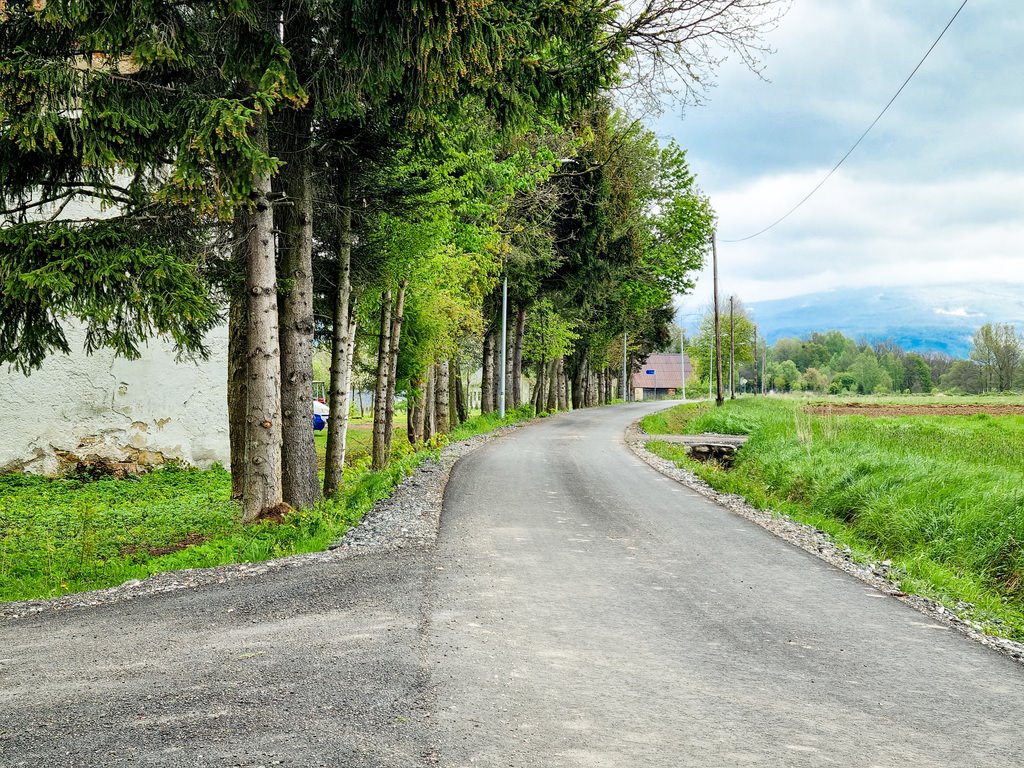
(835, 363)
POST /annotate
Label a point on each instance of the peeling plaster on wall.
(145, 411)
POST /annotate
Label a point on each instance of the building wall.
(79, 407)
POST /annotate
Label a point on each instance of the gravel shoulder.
(819, 544)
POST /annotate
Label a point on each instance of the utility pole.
(754, 357)
(764, 365)
(682, 359)
(504, 342)
(732, 353)
(711, 369)
(719, 399)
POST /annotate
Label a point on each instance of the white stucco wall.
(144, 411)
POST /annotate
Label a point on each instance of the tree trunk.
(428, 406)
(380, 393)
(517, 357)
(607, 385)
(299, 480)
(238, 348)
(551, 402)
(461, 409)
(588, 387)
(538, 388)
(579, 382)
(563, 386)
(453, 397)
(496, 371)
(389, 401)
(441, 424)
(262, 475)
(342, 346)
(410, 417)
(487, 375)
(509, 386)
(417, 411)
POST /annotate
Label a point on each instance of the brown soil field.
(933, 409)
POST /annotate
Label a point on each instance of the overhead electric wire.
(849, 152)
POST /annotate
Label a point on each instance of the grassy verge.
(940, 496)
(68, 535)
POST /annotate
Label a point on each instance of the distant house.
(661, 375)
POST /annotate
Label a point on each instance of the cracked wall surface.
(79, 407)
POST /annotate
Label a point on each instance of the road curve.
(591, 612)
(579, 609)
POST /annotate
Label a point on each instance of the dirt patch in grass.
(930, 409)
(189, 541)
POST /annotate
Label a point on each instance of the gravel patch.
(409, 518)
(879, 575)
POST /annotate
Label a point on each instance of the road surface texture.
(579, 609)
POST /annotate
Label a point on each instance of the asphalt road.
(579, 610)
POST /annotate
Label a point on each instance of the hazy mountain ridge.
(924, 319)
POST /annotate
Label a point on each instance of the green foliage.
(835, 363)
(548, 334)
(702, 348)
(126, 136)
(964, 376)
(785, 376)
(999, 350)
(939, 495)
(672, 421)
(917, 376)
(869, 375)
(124, 281)
(631, 230)
(483, 423)
(67, 535)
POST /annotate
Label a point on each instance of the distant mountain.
(925, 319)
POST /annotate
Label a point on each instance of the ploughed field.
(936, 488)
(919, 409)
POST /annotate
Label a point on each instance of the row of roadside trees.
(359, 176)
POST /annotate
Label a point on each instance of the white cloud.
(932, 195)
(859, 232)
(958, 312)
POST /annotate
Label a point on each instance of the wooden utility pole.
(753, 387)
(682, 358)
(764, 365)
(719, 399)
(732, 352)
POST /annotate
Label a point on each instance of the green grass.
(68, 534)
(941, 496)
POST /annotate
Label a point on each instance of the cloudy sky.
(934, 194)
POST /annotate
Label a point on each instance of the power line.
(856, 143)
